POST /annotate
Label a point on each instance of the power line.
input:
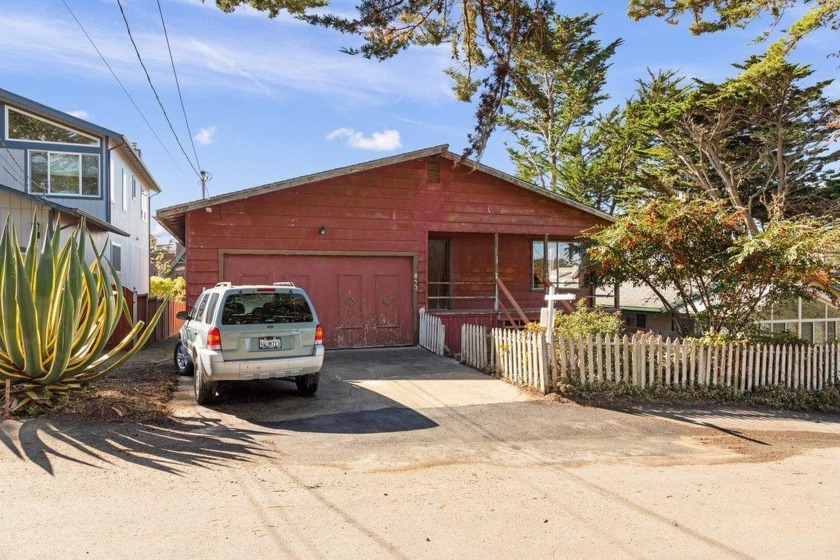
(178, 85)
(145, 120)
(151, 85)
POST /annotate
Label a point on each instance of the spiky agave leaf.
(57, 314)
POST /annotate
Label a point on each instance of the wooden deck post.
(496, 269)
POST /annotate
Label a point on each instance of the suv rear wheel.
(182, 360)
(307, 384)
(205, 390)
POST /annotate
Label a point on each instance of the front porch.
(499, 280)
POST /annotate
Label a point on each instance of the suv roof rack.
(285, 284)
(223, 285)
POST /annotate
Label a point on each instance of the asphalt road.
(403, 454)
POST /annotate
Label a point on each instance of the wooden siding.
(389, 209)
(12, 168)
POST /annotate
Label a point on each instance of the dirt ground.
(137, 391)
(403, 454)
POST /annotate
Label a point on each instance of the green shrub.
(585, 321)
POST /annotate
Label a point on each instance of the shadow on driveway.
(342, 405)
(202, 442)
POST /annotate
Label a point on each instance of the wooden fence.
(521, 357)
(432, 332)
(644, 360)
(475, 346)
(146, 309)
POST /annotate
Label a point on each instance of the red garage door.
(361, 301)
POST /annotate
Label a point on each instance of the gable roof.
(126, 148)
(172, 217)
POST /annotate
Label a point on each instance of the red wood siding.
(391, 209)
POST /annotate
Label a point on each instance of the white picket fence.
(643, 360)
(521, 357)
(432, 332)
(475, 346)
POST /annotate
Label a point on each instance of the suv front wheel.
(182, 360)
(307, 384)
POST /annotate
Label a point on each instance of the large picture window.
(560, 266)
(62, 173)
(22, 126)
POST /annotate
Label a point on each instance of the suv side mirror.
(182, 315)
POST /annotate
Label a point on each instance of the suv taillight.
(214, 339)
(319, 335)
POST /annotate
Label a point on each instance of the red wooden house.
(373, 243)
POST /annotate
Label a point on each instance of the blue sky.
(273, 99)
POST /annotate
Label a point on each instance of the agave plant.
(57, 314)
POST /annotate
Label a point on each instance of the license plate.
(270, 343)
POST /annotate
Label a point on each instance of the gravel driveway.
(403, 454)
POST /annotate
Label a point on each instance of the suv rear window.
(260, 308)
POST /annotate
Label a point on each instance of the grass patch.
(610, 395)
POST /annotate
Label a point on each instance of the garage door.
(361, 301)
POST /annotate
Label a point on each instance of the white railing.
(475, 346)
(432, 332)
(644, 360)
(521, 358)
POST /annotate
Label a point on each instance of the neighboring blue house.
(67, 169)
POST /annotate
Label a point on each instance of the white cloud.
(206, 135)
(257, 60)
(379, 141)
(79, 114)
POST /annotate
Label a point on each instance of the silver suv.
(239, 333)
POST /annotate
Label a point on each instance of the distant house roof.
(172, 217)
(643, 299)
(75, 215)
(125, 147)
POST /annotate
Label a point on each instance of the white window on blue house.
(63, 173)
(23, 126)
(124, 191)
(116, 256)
(144, 206)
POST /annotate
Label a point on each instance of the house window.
(23, 126)
(62, 173)
(124, 191)
(144, 206)
(560, 267)
(133, 187)
(831, 331)
(636, 321)
(807, 331)
(116, 256)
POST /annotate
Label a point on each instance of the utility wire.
(145, 120)
(178, 85)
(157, 97)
